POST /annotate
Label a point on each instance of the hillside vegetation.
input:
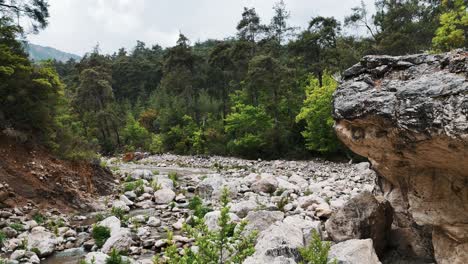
(265, 92)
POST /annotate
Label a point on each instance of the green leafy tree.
(35, 11)
(317, 114)
(94, 101)
(136, 136)
(248, 127)
(398, 27)
(316, 46)
(453, 29)
(279, 28)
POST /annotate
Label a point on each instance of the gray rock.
(97, 257)
(120, 240)
(354, 251)
(209, 186)
(141, 174)
(121, 205)
(242, 208)
(164, 196)
(409, 116)
(278, 244)
(112, 222)
(153, 221)
(266, 184)
(364, 216)
(261, 220)
(211, 219)
(42, 240)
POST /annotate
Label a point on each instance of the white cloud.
(77, 25)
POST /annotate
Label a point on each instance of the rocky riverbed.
(283, 200)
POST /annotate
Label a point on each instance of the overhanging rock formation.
(409, 116)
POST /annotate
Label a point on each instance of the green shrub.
(136, 186)
(317, 251)
(17, 226)
(199, 210)
(226, 245)
(115, 257)
(39, 218)
(155, 185)
(174, 178)
(36, 250)
(282, 202)
(119, 213)
(3, 238)
(100, 234)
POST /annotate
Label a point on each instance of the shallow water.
(69, 256)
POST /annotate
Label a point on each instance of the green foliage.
(248, 126)
(115, 257)
(39, 218)
(226, 245)
(398, 27)
(199, 209)
(100, 234)
(3, 238)
(284, 200)
(136, 136)
(136, 186)
(316, 113)
(17, 226)
(174, 177)
(453, 29)
(119, 213)
(36, 250)
(317, 251)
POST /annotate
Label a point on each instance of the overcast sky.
(78, 25)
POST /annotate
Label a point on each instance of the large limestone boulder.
(354, 251)
(261, 220)
(279, 243)
(242, 208)
(364, 216)
(266, 184)
(409, 116)
(120, 240)
(164, 196)
(42, 240)
(212, 219)
(112, 222)
(96, 257)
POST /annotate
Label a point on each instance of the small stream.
(69, 256)
(74, 255)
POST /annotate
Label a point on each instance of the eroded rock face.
(408, 115)
(364, 216)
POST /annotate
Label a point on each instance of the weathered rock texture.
(364, 216)
(408, 115)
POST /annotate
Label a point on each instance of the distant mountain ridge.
(38, 53)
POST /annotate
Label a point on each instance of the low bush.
(115, 257)
(317, 251)
(228, 244)
(100, 234)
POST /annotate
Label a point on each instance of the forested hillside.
(264, 93)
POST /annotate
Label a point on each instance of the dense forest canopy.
(265, 92)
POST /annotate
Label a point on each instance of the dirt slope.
(31, 174)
